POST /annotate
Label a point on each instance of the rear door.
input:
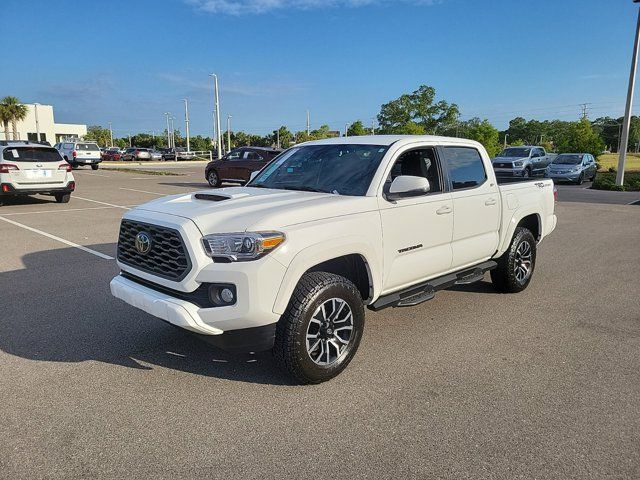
(476, 206)
(252, 161)
(232, 165)
(34, 167)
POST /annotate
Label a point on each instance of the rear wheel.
(516, 265)
(95, 166)
(320, 331)
(62, 197)
(214, 179)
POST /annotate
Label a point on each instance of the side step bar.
(422, 292)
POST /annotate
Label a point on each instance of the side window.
(68, 146)
(249, 155)
(465, 165)
(234, 155)
(418, 163)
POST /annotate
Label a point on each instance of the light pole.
(627, 111)
(505, 140)
(217, 114)
(186, 121)
(228, 133)
(110, 135)
(35, 109)
(346, 129)
(172, 136)
(308, 123)
(168, 137)
(278, 139)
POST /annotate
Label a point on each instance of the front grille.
(503, 165)
(167, 258)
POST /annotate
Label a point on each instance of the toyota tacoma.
(290, 261)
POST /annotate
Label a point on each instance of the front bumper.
(568, 176)
(184, 314)
(12, 190)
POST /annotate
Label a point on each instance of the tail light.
(71, 185)
(555, 193)
(64, 166)
(74, 153)
(7, 167)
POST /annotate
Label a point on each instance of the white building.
(40, 125)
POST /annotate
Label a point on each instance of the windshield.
(338, 169)
(568, 160)
(515, 152)
(32, 154)
(87, 146)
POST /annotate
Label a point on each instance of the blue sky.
(129, 61)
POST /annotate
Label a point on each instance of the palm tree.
(17, 112)
(5, 118)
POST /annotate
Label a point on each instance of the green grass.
(145, 172)
(607, 181)
(610, 160)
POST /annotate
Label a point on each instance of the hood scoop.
(212, 197)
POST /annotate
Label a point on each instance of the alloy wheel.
(523, 262)
(329, 331)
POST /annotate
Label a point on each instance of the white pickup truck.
(290, 261)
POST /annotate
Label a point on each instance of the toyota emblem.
(143, 243)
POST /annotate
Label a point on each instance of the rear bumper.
(85, 161)
(189, 316)
(10, 189)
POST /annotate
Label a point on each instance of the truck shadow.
(59, 308)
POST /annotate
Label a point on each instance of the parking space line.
(58, 239)
(103, 203)
(55, 211)
(96, 174)
(145, 191)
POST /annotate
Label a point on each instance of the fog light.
(226, 295)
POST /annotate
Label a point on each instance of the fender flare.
(517, 216)
(321, 252)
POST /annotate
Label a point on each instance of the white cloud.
(242, 7)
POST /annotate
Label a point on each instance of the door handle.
(444, 210)
(490, 201)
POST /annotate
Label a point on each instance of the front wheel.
(320, 331)
(214, 179)
(580, 180)
(526, 173)
(516, 265)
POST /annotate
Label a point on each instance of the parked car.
(136, 153)
(111, 154)
(573, 167)
(155, 155)
(80, 153)
(290, 261)
(238, 165)
(525, 161)
(30, 168)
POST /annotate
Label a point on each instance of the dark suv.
(238, 165)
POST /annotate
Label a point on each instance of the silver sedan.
(572, 167)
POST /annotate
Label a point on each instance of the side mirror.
(406, 186)
(254, 175)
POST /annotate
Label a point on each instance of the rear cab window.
(465, 166)
(87, 146)
(31, 154)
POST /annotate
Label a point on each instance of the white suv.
(80, 153)
(28, 168)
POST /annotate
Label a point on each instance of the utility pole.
(228, 133)
(505, 139)
(130, 141)
(278, 139)
(585, 109)
(373, 126)
(172, 137)
(110, 135)
(186, 121)
(346, 129)
(168, 135)
(627, 111)
(217, 114)
(35, 108)
(308, 124)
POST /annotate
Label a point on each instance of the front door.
(417, 230)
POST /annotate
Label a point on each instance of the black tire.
(62, 197)
(213, 178)
(95, 166)
(526, 173)
(580, 180)
(291, 350)
(505, 277)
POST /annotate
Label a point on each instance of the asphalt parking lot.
(473, 384)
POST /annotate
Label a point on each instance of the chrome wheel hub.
(523, 262)
(329, 332)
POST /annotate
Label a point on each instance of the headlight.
(517, 164)
(238, 247)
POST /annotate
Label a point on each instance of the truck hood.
(238, 209)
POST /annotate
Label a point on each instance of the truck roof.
(389, 140)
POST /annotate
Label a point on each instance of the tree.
(417, 113)
(481, 131)
(16, 111)
(356, 129)
(100, 135)
(5, 118)
(581, 137)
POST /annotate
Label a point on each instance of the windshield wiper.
(303, 188)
